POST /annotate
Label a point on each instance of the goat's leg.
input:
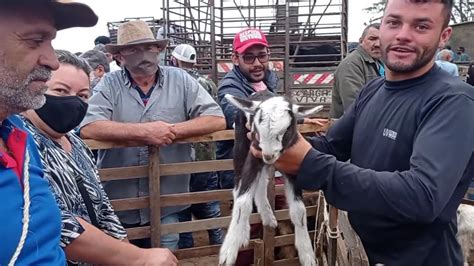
(238, 233)
(261, 199)
(298, 218)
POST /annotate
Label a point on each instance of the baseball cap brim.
(69, 14)
(244, 48)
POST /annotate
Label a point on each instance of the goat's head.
(274, 121)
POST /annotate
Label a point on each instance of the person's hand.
(290, 160)
(316, 121)
(157, 257)
(158, 133)
(323, 123)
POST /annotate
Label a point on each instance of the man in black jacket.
(410, 141)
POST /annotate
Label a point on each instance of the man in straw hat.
(147, 104)
(31, 222)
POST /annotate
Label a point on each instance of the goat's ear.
(306, 110)
(245, 105)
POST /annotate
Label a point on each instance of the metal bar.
(286, 84)
(344, 28)
(333, 229)
(241, 14)
(213, 43)
(308, 21)
(271, 6)
(192, 21)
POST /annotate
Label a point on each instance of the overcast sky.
(82, 39)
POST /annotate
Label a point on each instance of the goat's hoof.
(269, 220)
(272, 222)
(307, 259)
(228, 255)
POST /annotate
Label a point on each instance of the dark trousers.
(202, 182)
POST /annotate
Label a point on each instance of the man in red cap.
(250, 74)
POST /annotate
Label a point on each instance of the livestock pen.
(333, 243)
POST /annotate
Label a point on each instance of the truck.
(307, 39)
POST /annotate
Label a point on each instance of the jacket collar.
(365, 55)
(271, 78)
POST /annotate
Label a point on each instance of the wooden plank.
(196, 167)
(342, 254)
(222, 222)
(121, 173)
(287, 240)
(138, 232)
(355, 250)
(182, 198)
(109, 174)
(196, 197)
(287, 262)
(215, 195)
(259, 253)
(204, 251)
(216, 136)
(131, 204)
(196, 252)
(154, 188)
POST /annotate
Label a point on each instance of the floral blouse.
(63, 171)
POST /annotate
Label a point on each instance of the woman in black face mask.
(91, 232)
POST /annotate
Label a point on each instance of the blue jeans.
(167, 241)
(226, 179)
(202, 182)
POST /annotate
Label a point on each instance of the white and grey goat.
(273, 119)
(466, 230)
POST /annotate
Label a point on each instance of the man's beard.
(422, 59)
(248, 75)
(15, 94)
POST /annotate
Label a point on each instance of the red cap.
(249, 37)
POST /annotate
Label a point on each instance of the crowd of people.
(398, 156)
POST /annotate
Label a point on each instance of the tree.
(463, 10)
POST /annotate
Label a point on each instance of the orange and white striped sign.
(324, 78)
(224, 67)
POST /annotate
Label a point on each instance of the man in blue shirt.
(31, 225)
(444, 62)
(410, 141)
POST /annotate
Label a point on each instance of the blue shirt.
(449, 67)
(411, 147)
(42, 240)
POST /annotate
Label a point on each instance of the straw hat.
(132, 33)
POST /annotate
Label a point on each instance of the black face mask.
(62, 114)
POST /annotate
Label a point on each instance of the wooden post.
(333, 233)
(154, 187)
(268, 232)
(258, 253)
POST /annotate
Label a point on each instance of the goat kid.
(465, 235)
(272, 118)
